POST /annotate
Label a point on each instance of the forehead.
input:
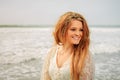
(76, 24)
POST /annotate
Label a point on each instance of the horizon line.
(51, 25)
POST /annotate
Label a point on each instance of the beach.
(22, 51)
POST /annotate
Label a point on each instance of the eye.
(73, 29)
(81, 29)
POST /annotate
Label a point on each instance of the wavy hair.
(80, 50)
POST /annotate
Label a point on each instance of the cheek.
(69, 35)
(82, 34)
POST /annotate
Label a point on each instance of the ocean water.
(22, 51)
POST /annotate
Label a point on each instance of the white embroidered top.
(52, 72)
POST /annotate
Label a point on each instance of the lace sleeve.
(45, 74)
(89, 68)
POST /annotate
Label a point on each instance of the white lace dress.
(52, 72)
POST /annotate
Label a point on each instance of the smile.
(76, 38)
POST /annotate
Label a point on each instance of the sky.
(47, 12)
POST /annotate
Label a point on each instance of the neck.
(67, 48)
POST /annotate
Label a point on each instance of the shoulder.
(89, 55)
(48, 56)
(89, 68)
(52, 51)
(89, 61)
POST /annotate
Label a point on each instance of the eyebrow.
(75, 27)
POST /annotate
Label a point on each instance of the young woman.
(69, 58)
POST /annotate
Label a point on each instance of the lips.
(76, 38)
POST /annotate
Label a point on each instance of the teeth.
(75, 38)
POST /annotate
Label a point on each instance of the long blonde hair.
(80, 50)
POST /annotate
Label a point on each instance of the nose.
(77, 33)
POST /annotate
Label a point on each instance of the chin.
(76, 43)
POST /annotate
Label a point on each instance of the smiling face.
(74, 32)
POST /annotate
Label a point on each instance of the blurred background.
(26, 35)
